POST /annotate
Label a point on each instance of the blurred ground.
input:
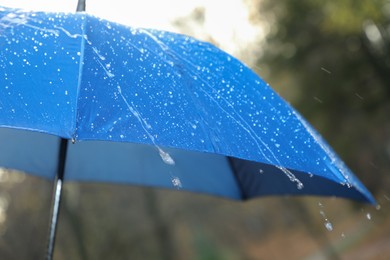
(101, 221)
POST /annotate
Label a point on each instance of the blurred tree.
(333, 59)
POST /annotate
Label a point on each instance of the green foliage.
(345, 17)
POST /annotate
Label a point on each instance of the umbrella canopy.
(154, 108)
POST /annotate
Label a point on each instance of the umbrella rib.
(82, 47)
(243, 194)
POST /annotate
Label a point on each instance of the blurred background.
(329, 59)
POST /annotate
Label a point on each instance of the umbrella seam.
(80, 74)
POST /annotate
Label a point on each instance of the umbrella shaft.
(54, 219)
(63, 148)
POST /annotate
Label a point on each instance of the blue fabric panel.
(257, 179)
(39, 70)
(29, 151)
(146, 165)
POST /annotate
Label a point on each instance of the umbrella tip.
(81, 6)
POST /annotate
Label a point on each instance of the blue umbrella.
(85, 99)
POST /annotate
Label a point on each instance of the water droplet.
(328, 226)
(291, 176)
(176, 182)
(166, 157)
(368, 215)
(109, 74)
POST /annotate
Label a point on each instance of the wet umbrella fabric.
(154, 108)
(185, 106)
